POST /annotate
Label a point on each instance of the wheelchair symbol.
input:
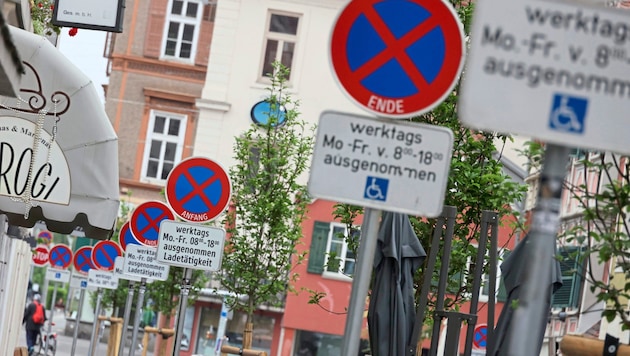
(83, 284)
(376, 188)
(568, 113)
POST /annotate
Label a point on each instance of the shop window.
(311, 343)
(209, 324)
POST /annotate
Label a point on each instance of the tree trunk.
(247, 335)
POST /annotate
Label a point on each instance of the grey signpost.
(140, 262)
(567, 88)
(199, 247)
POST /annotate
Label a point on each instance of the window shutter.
(205, 37)
(155, 28)
(317, 254)
(502, 292)
(567, 296)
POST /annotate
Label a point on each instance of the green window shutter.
(502, 294)
(572, 273)
(317, 254)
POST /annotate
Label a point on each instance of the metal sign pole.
(52, 308)
(181, 311)
(530, 317)
(123, 339)
(77, 323)
(138, 316)
(361, 281)
(97, 312)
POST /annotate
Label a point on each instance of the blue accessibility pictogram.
(568, 113)
(376, 188)
(83, 284)
(57, 275)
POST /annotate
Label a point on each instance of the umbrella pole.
(530, 317)
(361, 281)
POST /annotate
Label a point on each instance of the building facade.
(184, 77)
(157, 68)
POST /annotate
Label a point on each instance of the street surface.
(64, 343)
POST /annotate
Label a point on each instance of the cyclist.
(33, 327)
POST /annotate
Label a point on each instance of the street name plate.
(390, 165)
(58, 275)
(190, 245)
(555, 71)
(102, 279)
(140, 261)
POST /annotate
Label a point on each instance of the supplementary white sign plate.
(190, 245)
(140, 261)
(119, 264)
(556, 71)
(381, 164)
(102, 279)
(78, 281)
(58, 275)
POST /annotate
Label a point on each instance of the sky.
(85, 50)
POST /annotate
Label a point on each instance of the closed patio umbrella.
(512, 279)
(391, 312)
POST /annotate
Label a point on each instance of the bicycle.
(46, 343)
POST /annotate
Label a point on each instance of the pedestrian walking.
(34, 318)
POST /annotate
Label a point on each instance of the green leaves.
(264, 225)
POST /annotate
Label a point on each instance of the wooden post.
(575, 345)
(236, 351)
(114, 334)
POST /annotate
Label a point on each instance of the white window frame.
(281, 38)
(485, 278)
(164, 138)
(183, 20)
(340, 275)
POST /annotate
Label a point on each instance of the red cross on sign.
(397, 58)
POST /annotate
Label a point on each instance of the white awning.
(73, 184)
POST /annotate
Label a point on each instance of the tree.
(603, 198)
(268, 205)
(476, 182)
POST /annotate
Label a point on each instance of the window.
(182, 28)
(280, 40)
(164, 144)
(329, 252)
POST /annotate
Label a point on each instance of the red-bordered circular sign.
(60, 256)
(104, 254)
(145, 221)
(82, 260)
(397, 58)
(125, 237)
(198, 189)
